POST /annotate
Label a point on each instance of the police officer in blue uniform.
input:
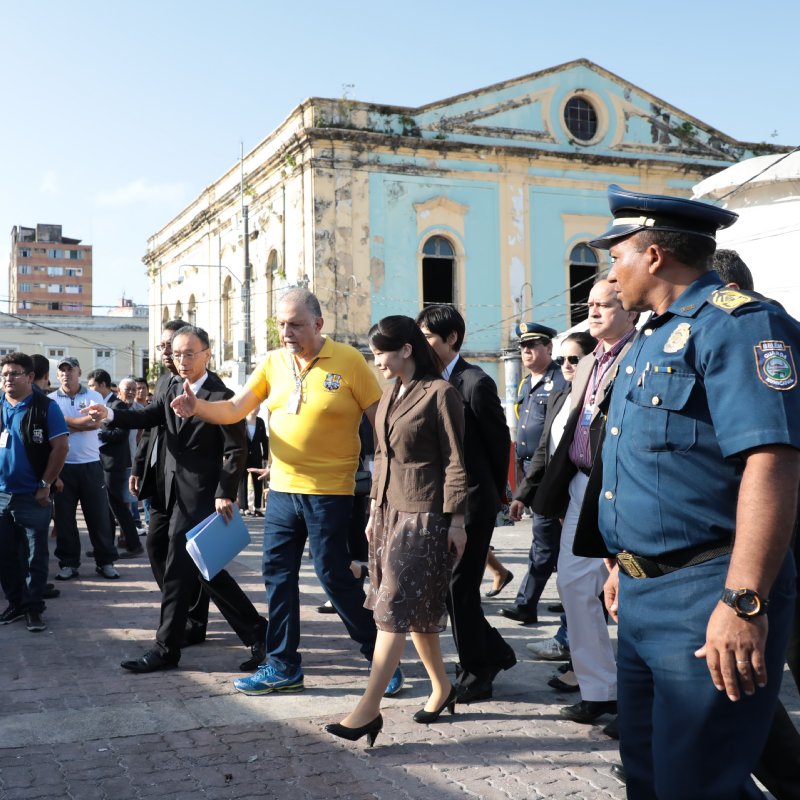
(701, 464)
(544, 378)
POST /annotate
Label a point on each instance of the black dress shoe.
(618, 771)
(151, 661)
(587, 711)
(326, 608)
(612, 730)
(556, 608)
(562, 686)
(258, 657)
(516, 613)
(474, 692)
(494, 592)
(50, 592)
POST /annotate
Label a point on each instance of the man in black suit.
(482, 651)
(115, 456)
(202, 466)
(147, 483)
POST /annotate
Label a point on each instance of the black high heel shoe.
(370, 730)
(425, 717)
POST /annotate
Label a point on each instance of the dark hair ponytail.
(391, 333)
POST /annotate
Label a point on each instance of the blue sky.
(116, 114)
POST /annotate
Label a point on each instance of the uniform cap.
(635, 211)
(528, 331)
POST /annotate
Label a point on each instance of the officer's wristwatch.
(745, 602)
(43, 484)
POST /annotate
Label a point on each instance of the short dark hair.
(99, 376)
(583, 339)
(193, 330)
(443, 319)
(20, 359)
(41, 366)
(731, 268)
(174, 325)
(141, 380)
(391, 333)
(688, 248)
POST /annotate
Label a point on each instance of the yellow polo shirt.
(315, 451)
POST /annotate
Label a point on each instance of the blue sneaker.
(270, 679)
(395, 683)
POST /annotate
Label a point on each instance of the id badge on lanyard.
(586, 417)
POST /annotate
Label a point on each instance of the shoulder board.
(730, 299)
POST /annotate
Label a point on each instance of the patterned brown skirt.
(410, 569)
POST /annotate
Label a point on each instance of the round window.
(581, 119)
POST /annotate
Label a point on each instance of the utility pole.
(248, 344)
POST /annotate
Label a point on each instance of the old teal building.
(486, 200)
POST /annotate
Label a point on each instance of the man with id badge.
(316, 391)
(560, 493)
(33, 446)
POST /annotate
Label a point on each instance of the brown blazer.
(419, 455)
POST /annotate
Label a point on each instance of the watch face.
(748, 603)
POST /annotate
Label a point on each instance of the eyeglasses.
(11, 376)
(162, 347)
(188, 356)
(569, 359)
(532, 344)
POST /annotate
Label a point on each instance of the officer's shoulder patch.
(775, 365)
(729, 299)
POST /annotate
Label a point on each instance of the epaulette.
(730, 299)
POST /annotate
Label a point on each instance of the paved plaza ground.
(73, 724)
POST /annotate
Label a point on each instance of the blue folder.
(213, 544)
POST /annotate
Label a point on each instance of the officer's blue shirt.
(532, 406)
(16, 474)
(713, 376)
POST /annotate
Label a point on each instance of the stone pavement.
(74, 725)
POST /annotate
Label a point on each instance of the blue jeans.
(23, 526)
(678, 734)
(324, 520)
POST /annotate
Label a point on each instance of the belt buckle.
(630, 565)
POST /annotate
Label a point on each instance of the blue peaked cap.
(635, 211)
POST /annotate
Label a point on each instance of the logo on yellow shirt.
(332, 382)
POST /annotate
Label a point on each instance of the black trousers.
(178, 592)
(542, 561)
(258, 490)
(157, 544)
(120, 506)
(482, 651)
(84, 483)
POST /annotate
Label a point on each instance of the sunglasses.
(569, 359)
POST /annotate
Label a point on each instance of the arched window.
(582, 272)
(164, 316)
(272, 269)
(192, 310)
(438, 271)
(227, 319)
(178, 310)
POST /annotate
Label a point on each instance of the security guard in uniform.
(701, 464)
(544, 378)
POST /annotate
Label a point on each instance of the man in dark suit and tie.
(147, 483)
(202, 466)
(482, 651)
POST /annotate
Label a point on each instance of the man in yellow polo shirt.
(316, 391)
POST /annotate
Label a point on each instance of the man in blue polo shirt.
(701, 463)
(33, 446)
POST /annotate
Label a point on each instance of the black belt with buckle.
(642, 567)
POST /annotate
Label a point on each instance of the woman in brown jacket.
(416, 523)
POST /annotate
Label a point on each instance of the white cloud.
(140, 191)
(49, 182)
